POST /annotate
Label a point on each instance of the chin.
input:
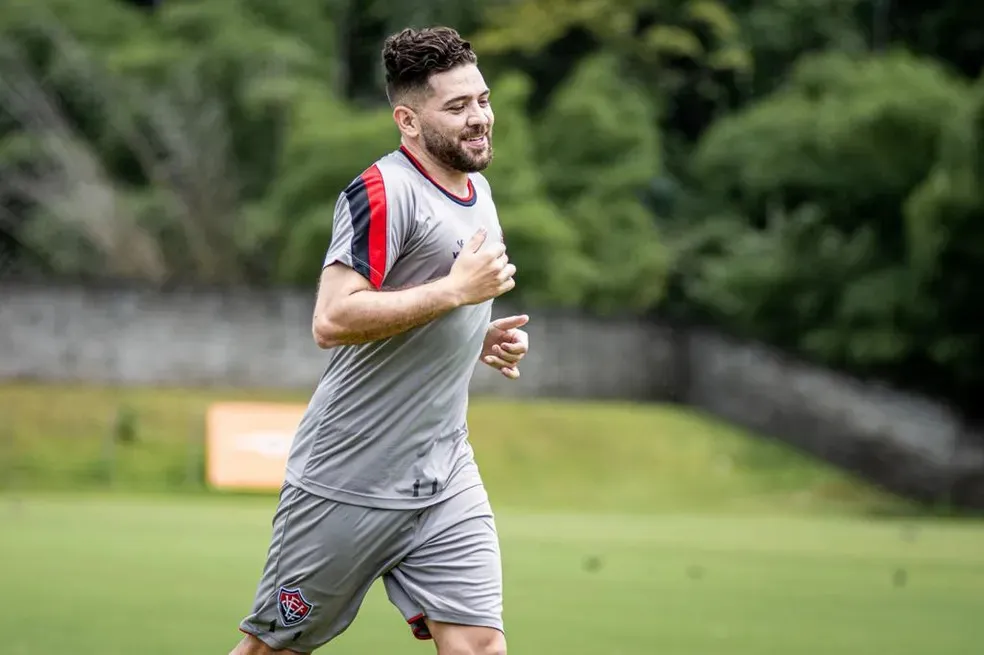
(481, 162)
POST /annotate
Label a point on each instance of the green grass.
(561, 456)
(112, 574)
(626, 529)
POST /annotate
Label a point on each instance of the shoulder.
(385, 181)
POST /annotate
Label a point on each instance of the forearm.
(368, 315)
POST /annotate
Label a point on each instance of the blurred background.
(745, 236)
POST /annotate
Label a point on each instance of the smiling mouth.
(477, 142)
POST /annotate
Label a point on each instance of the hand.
(505, 345)
(479, 275)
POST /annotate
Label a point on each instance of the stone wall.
(262, 339)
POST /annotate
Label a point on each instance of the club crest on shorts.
(292, 605)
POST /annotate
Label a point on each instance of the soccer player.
(381, 480)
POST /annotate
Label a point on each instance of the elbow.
(326, 332)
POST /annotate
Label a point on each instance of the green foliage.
(843, 132)
(943, 221)
(782, 31)
(857, 180)
(597, 175)
(616, 147)
(815, 191)
(543, 242)
(170, 117)
(803, 283)
(327, 144)
(650, 30)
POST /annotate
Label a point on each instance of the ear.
(407, 121)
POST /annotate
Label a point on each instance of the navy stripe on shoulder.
(358, 200)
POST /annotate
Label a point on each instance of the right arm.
(369, 229)
(349, 311)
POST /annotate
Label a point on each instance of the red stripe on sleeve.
(377, 225)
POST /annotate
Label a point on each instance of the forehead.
(461, 81)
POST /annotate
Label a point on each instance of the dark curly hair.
(412, 56)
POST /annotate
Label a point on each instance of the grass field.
(560, 456)
(160, 576)
(625, 529)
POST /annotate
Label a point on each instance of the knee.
(475, 650)
(492, 645)
(498, 647)
(495, 646)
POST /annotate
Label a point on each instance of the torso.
(387, 425)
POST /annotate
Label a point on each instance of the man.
(381, 480)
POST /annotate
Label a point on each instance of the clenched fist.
(479, 275)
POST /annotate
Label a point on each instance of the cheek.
(451, 129)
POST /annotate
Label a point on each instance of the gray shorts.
(441, 562)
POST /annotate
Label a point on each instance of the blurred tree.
(598, 148)
(840, 133)
(687, 53)
(952, 31)
(780, 32)
(364, 24)
(807, 172)
(175, 118)
(544, 242)
(946, 233)
(821, 170)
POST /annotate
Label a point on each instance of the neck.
(453, 180)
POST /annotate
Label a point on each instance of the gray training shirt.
(386, 426)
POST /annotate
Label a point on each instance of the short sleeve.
(372, 218)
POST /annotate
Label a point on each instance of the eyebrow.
(465, 97)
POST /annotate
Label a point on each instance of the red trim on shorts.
(419, 628)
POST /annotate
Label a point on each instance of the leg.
(449, 586)
(323, 558)
(453, 639)
(250, 645)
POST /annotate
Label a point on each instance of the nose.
(478, 117)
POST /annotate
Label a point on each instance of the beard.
(450, 150)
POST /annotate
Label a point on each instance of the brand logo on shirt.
(460, 244)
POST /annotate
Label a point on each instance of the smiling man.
(381, 480)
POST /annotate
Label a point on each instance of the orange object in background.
(246, 444)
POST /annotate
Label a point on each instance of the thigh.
(323, 558)
(453, 573)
